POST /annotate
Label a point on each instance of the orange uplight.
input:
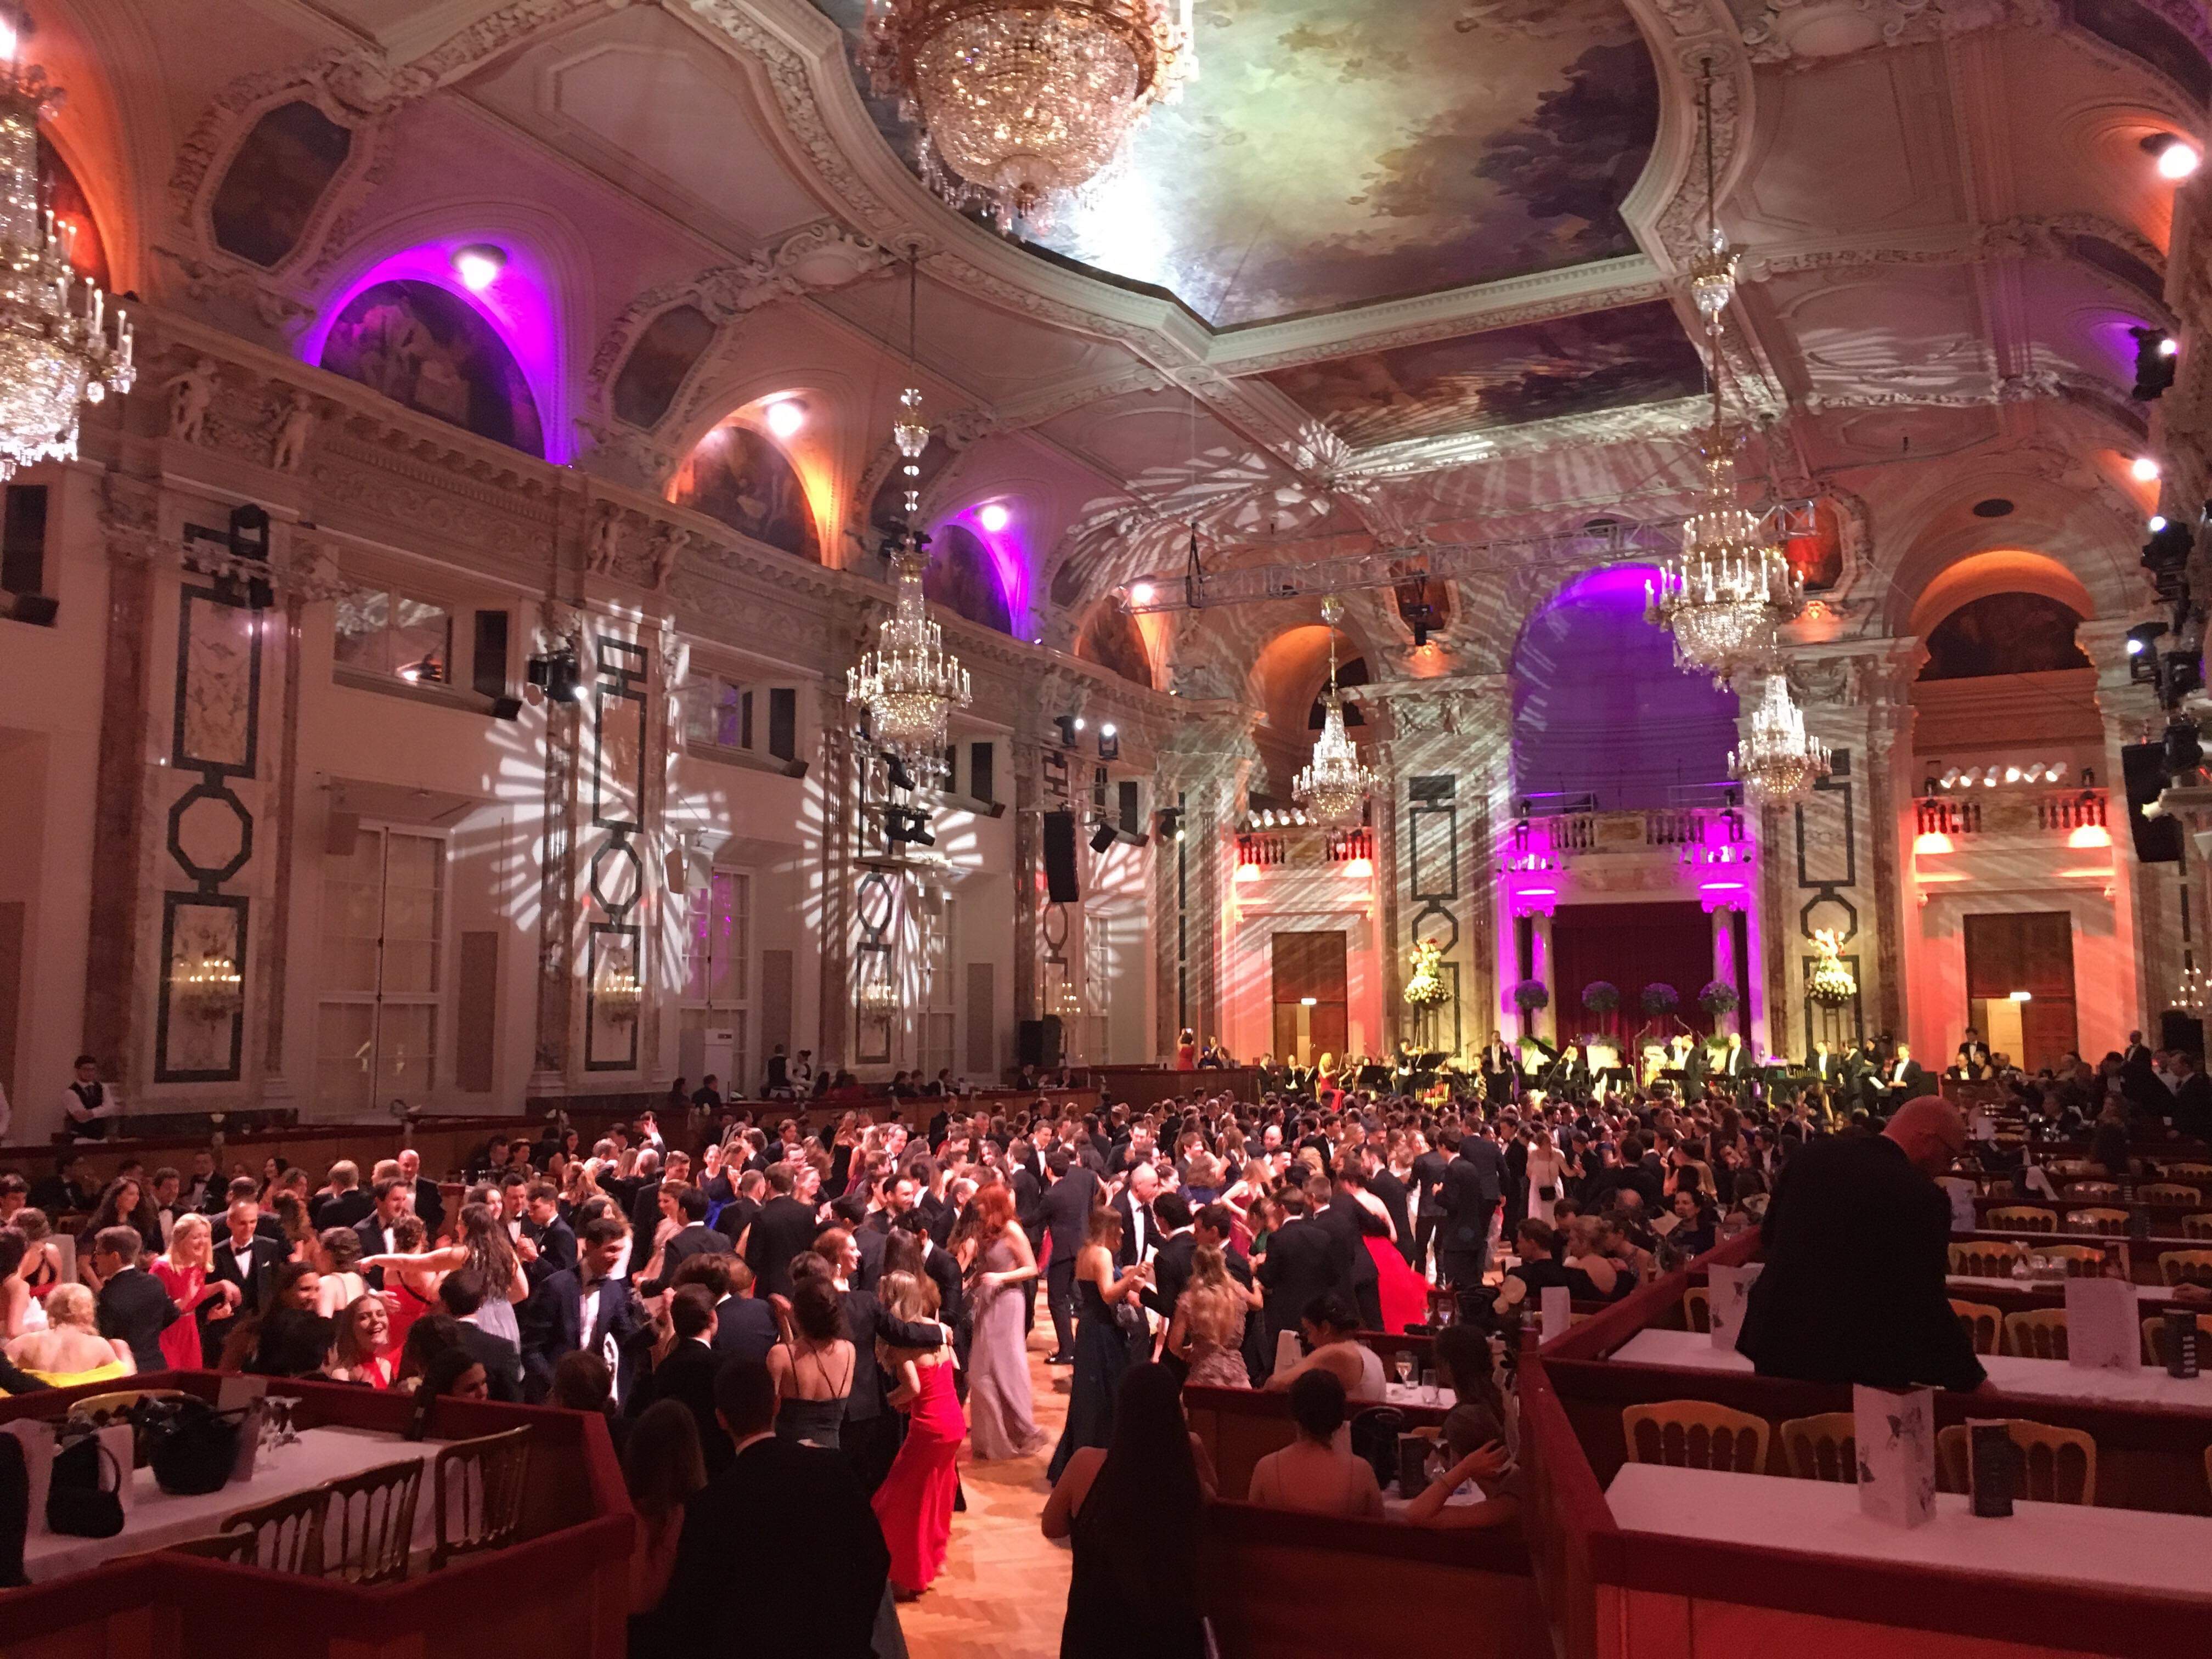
(2090, 834)
(1934, 841)
(1362, 868)
(1246, 871)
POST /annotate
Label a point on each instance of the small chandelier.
(619, 994)
(210, 989)
(878, 993)
(58, 348)
(1019, 103)
(2193, 988)
(1334, 785)
(1713, 267)
(1779, 762)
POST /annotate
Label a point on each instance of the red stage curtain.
(1633, 945)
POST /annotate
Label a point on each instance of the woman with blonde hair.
(1208, 1332)
(914, 1506)
(71, 1350)
(183, 1272)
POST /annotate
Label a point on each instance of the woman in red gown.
(183, 1272)
(913, 1505)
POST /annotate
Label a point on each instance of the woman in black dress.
(1102, 1347)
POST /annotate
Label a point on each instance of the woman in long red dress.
(183, 1272)
(913, 1505)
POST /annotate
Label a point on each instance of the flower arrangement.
(1831, 985)
(1530, 995)
(1661, 998)
(1718, 998)
(1601, 996)
(1425, 987)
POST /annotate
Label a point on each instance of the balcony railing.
(2010, 812)
(1692, 835)
(1305, 848)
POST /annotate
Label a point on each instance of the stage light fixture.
(556, 674)
(995, 517)
(785, 416)
(1109, 742)
(2144, 469)
(906, 826)
(2155, 354)
(478, 266)
(2184, 753)
(900, 777)
(1140, 593)
(1102, 837)
(2175, 157)
(1169, 822)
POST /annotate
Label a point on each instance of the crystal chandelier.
(1019, 102)
(1334, 785)
(878, 992)
(1780, 762)
(2193, 988)
(1713, 268)
(58, 349)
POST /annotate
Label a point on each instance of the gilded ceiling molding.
(1804, 33)
(1667, 210)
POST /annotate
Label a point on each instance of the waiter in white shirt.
(89, 1106)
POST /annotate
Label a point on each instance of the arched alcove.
(427, 348)
(1599, 704)
(1110, 639)
(962, 576)
(2004, 633)
(738, 475)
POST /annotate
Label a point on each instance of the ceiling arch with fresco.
(1332, 154)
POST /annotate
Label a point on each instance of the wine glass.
(1405, 1365)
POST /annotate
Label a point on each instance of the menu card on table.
(1559, 1311)
(1895, 1434)
(1727, 1290)
(2103, 1332)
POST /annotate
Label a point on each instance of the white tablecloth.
(1411, 1394)
(155, 1519)
(2073, 1543)
(2045, 1379)
(1963, 1283)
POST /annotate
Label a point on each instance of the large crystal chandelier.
(909, 684)
(1780, 761)
(1334, 785)
(1019, 102)
(58, 349)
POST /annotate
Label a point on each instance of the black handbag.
(191, 1445)
(79, 1500)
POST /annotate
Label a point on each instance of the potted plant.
(1659, 999)
(1601, 997)
(1528, 996)
(1718, 998)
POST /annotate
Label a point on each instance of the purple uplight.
(1010, 561)
(518, 303)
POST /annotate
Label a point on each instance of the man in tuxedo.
(1826, 1068)
(1473, 1187)
(548, 1244)
(869, 1438)
(2192, 1096)
(346, 1205)
(1429, 1166)
(1357, 1281)
(66, 1191)
(744, 1326)
(1381, 1181)
(1856, 1246)
(582, 1308)
(391, 1196)
(203, 1188)
(1172, 1255)
(645, 1211)
(772, 1492)
(1133, 1203)
(134, 1308)
(463, 1292)
(686, 1205)
(1731, 1064)
(429, 1202)
(939, 1263)
(1064, 1213)
(687, 1373)
(1902, 1079)
(784, 1227)
(1495, 1063)
(1300, 1265)
(246, 1258)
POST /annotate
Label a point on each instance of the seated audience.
(1316, 1473)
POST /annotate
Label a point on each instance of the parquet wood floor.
(1004, 1588)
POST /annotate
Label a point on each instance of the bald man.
(1856, 1244)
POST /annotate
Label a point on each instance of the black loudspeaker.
(1060, 858)
(2158, 840)
(39, 609)
(1037, 1042)
(1102, 838)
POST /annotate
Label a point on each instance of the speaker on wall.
(2142, 767)
(1037, 1043)
(1060, 858)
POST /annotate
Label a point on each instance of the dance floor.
(1004, 1588)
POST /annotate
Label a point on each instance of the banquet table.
(2043, 1379)
(2105, 1549)
(2053, 1290)
(155, 1519)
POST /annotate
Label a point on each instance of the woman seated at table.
(1316, 1473)
(1696, 1223)
(363, 1352)
(1537, 1243)
(71, 1350)
(1331, 1331)
(1584, 1253)
(1475, 1443)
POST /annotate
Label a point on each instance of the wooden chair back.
(2039, 1333)
(1986, 1258)
(1695, 1434)
(1984, 1327)
(2082, 1261)
(2153, 1335)
(1697, 1308)
(2166, 1192)
(114, 1404)
(2185, 1267)
(2199, 1172)
(369, 1525)
(236, 1547)
(1997, 1187)
(477, 1487)
(2065, 1169)
(2096, 1221)
(2197, 1226)
(2023, 1218)
(1825, 1447)
(2052, 1465)
(2090, 1191)
(288, 1532)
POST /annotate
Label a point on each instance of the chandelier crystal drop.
(58, 348)
(1333, 786)
(1019, 103)
(1722, 596)
(1780, 761)
(909, 683)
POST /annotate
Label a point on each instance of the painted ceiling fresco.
(1337, 152)
(1507, 377)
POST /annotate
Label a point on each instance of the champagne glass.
(1405, 1363)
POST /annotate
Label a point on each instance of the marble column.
(2145, 897)
(1724, 968)
(1545, 1022)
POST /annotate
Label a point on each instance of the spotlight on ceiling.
(1109, 742)
(2177, 158)
(557, 675)
(905, 826)
(2155, 351)
(1170, 823)
(1140, 593)
(2144, 469)
(995, 517)
(785, 416)
(478, 266)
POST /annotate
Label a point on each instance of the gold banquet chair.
(2197, 1226)
(2039, 1333)
(2185, 1267)
(1983, 1325)
(1986, 1258)
(1825, 1447)
(2051, 1466)
(2153, 1335)
(2168, 1193)
(2089, 1192)
(1697, 1308)
(1695, 1434)
(239, 1548)
(2082, 1261)
(2022, 1218)
(2096, 1221)
(287, 1531)
(477, 1487)
(369, 1526)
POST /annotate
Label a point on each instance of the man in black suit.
(1429, 1166)
(1299, 1265)
(687, 1374)
(686, 1205)
(134, 1308)
(645, 1211)
(429, 1202)
(347, 1205)
(2192, 1096)
(463, 1292)
(745, 1325)
(548, 1244)
(1338, 1208)
(773, 1492)
(1140, 1232)
(1171, 1258)
(784, 1227)
(1473, 1186)
(1065, 1213)
(582, 1309)
(939, 1263)
(391, 1196)
(1383, 1182)
(1857, 1244)
(869, 1435)
(244, 1260)
(1902, 1079)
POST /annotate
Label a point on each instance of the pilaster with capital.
(2145, 897)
